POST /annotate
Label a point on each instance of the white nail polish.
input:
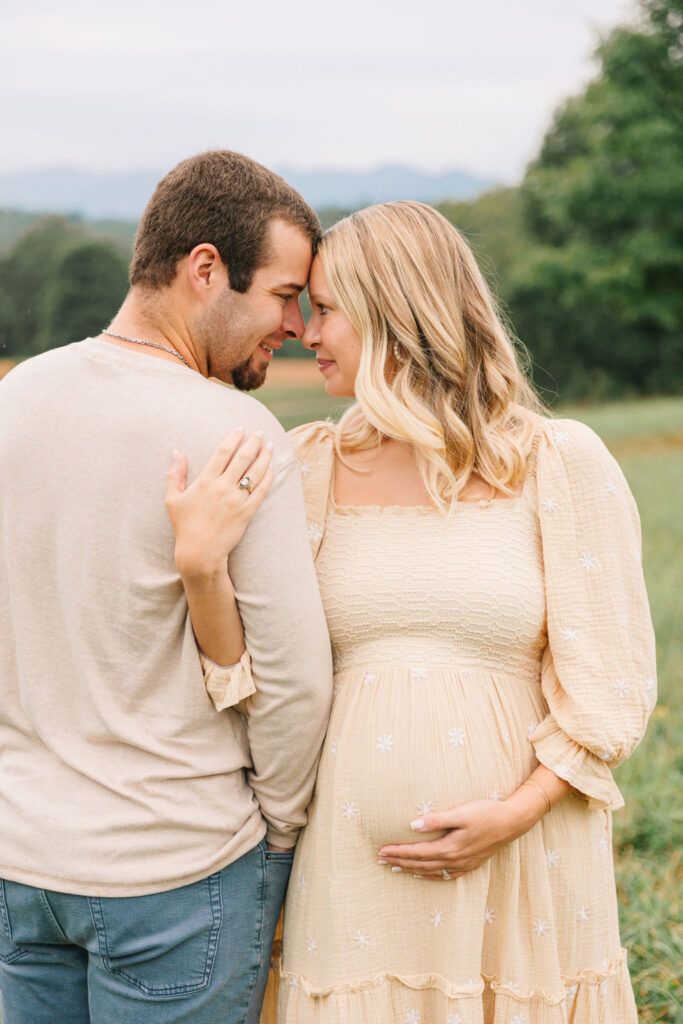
(417, 824)
(380, 861)
(395, 868)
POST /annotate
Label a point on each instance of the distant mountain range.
(124, 196)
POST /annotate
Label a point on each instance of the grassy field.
(647, 439)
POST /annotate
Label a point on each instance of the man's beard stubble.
(246, 378)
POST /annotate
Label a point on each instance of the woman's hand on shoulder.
(210, 516)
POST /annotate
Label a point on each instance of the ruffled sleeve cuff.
(227, 685)
(578, 766)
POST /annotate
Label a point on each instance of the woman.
(480, 569)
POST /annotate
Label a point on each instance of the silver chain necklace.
(152, 344)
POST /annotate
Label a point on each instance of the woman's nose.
(310, 338)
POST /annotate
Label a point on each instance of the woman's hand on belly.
(475, 831)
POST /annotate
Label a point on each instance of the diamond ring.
(245, 484)
(446, 876)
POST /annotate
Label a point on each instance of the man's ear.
(205, 269)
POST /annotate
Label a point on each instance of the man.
(145, 837)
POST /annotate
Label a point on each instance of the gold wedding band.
(245, 484)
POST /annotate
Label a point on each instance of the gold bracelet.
(537, 786)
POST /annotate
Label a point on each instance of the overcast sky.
(131, 84)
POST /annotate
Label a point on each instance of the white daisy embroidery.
(541, 927)
(362, 940)
(489, 915)
(370, 678)
(549, 505)
(302, 881)
(436, 918)
(603, 987)
(650, 685)
(418, 674)
(336, 688)
(293, 982)
(511, 985)
(621, 688)
(588, 561)
(453, 1018)
(570, 992)
(520, 1018)
(311, 947)
(531, 729)
(412, 1017)
(605, 963)
(560, 437)
(604, 843)
(611, 487)
(552, 858)
(561, 771)
(314, 533)
(457, 737)
(568, 634)
(606, 755)
(335, 747)
(425, 807)
(582, 914)
(350, 810)
(496, 795)
(385, 743)
(305, 468)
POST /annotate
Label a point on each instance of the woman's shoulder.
(570, 439)
(313, 441)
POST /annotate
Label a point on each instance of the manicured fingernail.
(395, 868)
(176, 455)
(418, 876)
(240, 428)
(258, 433)
(417, 824)
(382, 861)
(269, 446)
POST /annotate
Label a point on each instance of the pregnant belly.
(396, 751)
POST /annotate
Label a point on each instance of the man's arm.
(286, 635)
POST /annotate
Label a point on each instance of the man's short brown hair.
(219, 197)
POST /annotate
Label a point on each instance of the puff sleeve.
(228, 685)
(314, 447)
(598, 670)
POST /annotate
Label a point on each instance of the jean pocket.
(286, 856)
(9, 952)
(165, 943)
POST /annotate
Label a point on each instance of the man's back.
(117, 776)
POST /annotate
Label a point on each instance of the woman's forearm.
(215, 616)
(534, 798)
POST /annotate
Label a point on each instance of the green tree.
(599, 300)
(25, 271)
(87, 287)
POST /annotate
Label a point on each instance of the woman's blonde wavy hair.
(437, 368)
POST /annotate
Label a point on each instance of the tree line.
(586, 253)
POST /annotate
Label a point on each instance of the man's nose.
(293, 323)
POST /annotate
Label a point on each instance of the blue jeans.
(195, 955)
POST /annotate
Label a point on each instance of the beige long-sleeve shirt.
(117, 774)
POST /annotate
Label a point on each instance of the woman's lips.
(324, 364)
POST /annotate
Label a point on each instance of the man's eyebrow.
(291, 284)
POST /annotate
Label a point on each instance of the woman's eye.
(322, 309)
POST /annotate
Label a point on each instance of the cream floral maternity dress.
(468, 648)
